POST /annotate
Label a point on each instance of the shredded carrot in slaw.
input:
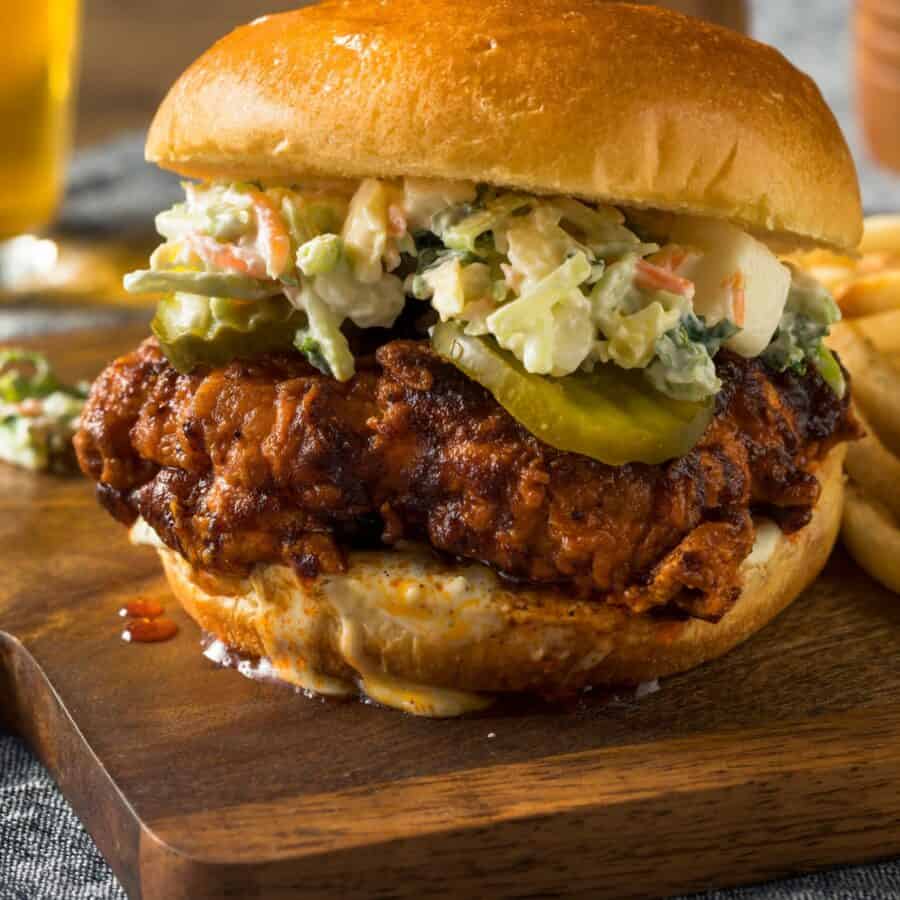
(650, 277)
(227, 257)
(272, 236)
(738, 298)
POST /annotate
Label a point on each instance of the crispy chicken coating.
(271, 461)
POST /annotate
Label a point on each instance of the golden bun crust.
(399, 616)
(609, 102)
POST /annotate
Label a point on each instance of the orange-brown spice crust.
(270, 461)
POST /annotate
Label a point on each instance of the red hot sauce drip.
(146, 622)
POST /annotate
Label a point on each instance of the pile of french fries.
(867, 289)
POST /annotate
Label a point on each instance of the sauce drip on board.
(146, 623)
(142, 608)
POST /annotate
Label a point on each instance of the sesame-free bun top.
(610, 102)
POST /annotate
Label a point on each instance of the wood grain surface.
(783, 756)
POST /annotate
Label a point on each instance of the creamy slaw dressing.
(561, 284)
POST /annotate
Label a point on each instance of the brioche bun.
(416, 633)
(610, 102)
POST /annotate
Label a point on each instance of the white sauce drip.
(768, 535)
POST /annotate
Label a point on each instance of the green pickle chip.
(194, 330)
(830, 370)
(612, 414)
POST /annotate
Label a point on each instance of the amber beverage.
(37, 48)
(877, 59)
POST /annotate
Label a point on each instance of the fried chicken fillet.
(271, 461)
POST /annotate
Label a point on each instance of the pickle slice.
(612, 414)
(194, 330)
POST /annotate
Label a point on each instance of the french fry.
(831, 269)
(883, 330)
(875, 469)
(872, 537)
(836, 281)
(876, 262)
(875, 382)
(867, 289)
(867, 295)
(881, 234)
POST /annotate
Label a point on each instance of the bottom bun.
(412, 631)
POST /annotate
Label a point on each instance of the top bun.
(609, 102)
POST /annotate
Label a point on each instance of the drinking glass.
(37, 49)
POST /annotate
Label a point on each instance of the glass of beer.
(37, 48)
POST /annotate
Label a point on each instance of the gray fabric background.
(45, 854)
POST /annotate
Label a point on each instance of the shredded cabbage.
(365, 231)
(798, 340)
(208, 284)
(38, 413)
(562, 284)
(549, 326)
(373, 304)
(684, 367)
(537, 245)
(454, 287)
(319, 255)
(461, 227)
(630, 321)
(423, 198)
(323, 342)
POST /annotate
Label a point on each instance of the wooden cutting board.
(782, 757)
